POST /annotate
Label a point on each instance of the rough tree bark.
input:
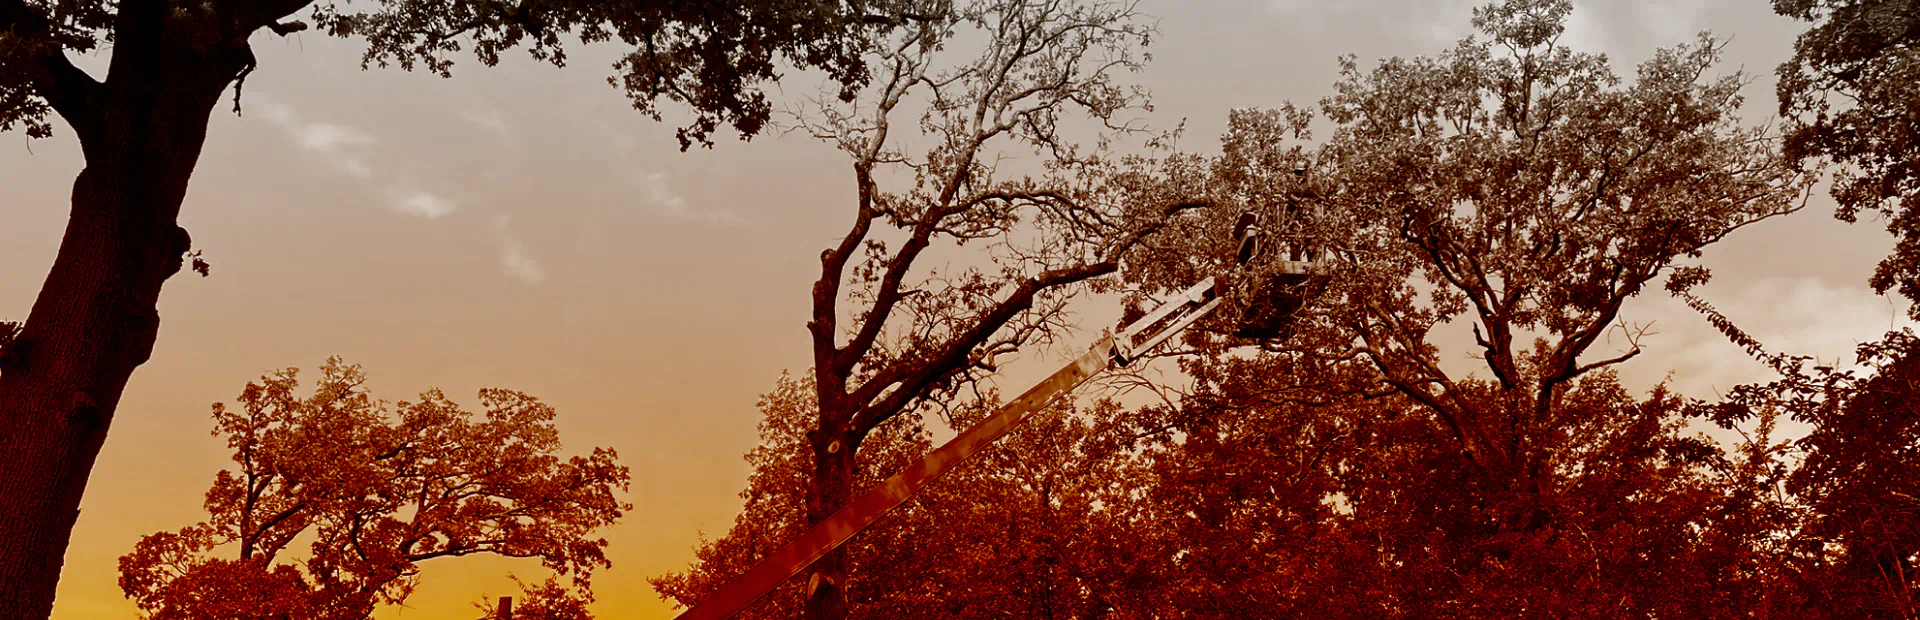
(96, 318)
(831, 488)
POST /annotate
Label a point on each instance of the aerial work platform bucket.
(1275, 272)
(1271, 298)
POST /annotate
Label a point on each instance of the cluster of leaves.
(548, 600)
(776, 494)
(378, 490)
(1858, 482)
(709, 56)
(30, 30)
(8, 331)
(1362, 507)
(1855, 540)
(1265, 492)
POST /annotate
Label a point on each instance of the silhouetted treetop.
(709, 55)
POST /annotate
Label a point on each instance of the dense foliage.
(1510, 186)
(378, 490)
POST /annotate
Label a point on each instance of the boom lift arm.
(1132, 342)
(1270, 301)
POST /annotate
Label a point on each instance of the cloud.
(356, 167)
(420, 202)
(343, 146)
(518, 264)
(488, 119)
(348, 148)
(661, 195)
(328, 137)
(1583, 32)
(277, 112)
(1673, 21)
(1435, 20)
(620, 140)
(514, 257)
(676, 206)
(1799, 316)
(1595, 26)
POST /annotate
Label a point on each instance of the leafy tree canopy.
(710, 55)
(379, 490)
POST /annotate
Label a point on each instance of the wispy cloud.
(488, 119)
(620, 140)
(350, 148)
(661, 194)
(514, 257)
(1438, 20)
(356, 167)
(1673, 21)
(328, 136)
(1594, 26)
(419, 202)
(519, 265)
(657, 187)
(1802, 316)
(343, 146)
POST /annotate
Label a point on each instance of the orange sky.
(521, 227)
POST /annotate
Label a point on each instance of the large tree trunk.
(95, 319)
(828, 492)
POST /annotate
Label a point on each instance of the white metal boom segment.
(1134, 341)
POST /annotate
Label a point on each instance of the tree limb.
(952, 357)
(70, 91)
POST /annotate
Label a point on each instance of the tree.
(1857, 481)
(774, 506)
(1516, 187)
(1238, 510)
(548, 600)
(1268, 499)
(1514, 184)
(379, 490)
(1024, 529)
(1850, 91)
(1855, 537)
(1510, 184)
(142, 125)
(917, 335)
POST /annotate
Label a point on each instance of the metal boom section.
(1133, 341)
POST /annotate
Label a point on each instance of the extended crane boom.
(1270, 300)
(1132, 342)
